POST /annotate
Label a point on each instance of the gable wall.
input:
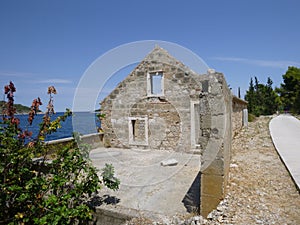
(169, 117)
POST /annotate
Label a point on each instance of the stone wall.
(238, 107)
(163, 123)
(216, 157)
(95, 140)
(168, 115)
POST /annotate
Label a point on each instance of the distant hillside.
(20, 108)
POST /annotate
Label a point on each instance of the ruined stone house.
(164, 105)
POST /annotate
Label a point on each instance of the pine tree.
(261, 98)
(270, 105)
(250, 96)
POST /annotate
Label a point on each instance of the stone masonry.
(238, 110)
(163, 105)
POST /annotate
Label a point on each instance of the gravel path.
(260, 189)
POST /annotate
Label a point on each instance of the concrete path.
(285, 133)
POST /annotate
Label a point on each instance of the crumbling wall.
(216, 157)
(193, 113)
(168, 115)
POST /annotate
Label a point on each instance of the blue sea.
(82, 122)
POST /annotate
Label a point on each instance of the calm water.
(82, 122)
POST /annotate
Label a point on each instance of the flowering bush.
(35, 189)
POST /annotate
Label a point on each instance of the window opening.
(155, 84)
(133, 129)
(156, 80)
(195, 125)
(138, 130)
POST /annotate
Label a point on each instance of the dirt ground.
(260, 189)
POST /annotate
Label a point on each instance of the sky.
(55, 42)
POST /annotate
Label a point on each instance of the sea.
(81, 122)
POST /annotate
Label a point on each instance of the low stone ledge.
(95, 139)
(118, 215)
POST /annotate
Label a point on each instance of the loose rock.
(169, 162)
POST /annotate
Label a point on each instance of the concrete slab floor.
(146, 185)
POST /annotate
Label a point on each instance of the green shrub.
(37, 190)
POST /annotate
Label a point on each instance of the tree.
(250, 96)
(36, 189)
(289, 90)
(261, 98)
(270, 102)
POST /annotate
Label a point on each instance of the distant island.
(21, 109)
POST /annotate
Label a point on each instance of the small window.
(155, 84)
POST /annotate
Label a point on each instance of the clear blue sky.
(53, 42)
